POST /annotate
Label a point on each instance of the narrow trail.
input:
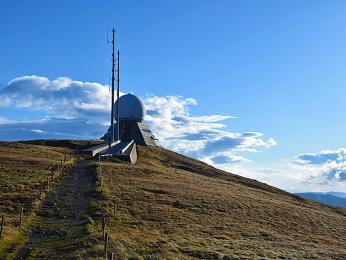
(62, 224)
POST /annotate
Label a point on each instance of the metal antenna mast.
(118, 94)
(111, 140)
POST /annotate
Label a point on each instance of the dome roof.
(130, 108)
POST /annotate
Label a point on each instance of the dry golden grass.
(170, 206)
(23, 171)
(167, 206)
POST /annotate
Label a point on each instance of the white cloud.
(327, 166)
(68, 108)
(4, 120)
(315, 172)
(63, 96)
(39, 131)
(202, 137)
(69, 100)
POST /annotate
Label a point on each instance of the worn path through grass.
(63, 225)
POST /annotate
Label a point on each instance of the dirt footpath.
(63, 224)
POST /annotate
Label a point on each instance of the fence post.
(21, 216)
(114, 207)
(106, 246)
(52, 175)
(103, 226)
(2, 223)
(112, 256)
(100, 170)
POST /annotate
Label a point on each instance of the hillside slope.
(167, 206)
(24, 169)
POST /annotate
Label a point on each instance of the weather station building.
(131, 117)
(127, 129)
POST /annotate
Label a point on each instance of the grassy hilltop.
(167, 206)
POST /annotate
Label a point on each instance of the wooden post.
(112, 256)
(58, 167)
(21, 216)
(52, 175)
(101, 181)
(100, 171)
(2, 224)
(104, 226)
(114, 207)
(106, 246)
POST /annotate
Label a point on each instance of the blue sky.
(277, 66)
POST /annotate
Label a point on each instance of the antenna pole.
(111, 139)
(118, 94)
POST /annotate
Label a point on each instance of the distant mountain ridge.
(337, 199)
(337, 194)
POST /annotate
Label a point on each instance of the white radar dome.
(130, 108)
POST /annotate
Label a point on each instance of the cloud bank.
(41, 108)
(326, 166)
(202, 137)
(62, 97)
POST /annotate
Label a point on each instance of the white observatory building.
(131, 126)
(128, 131)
